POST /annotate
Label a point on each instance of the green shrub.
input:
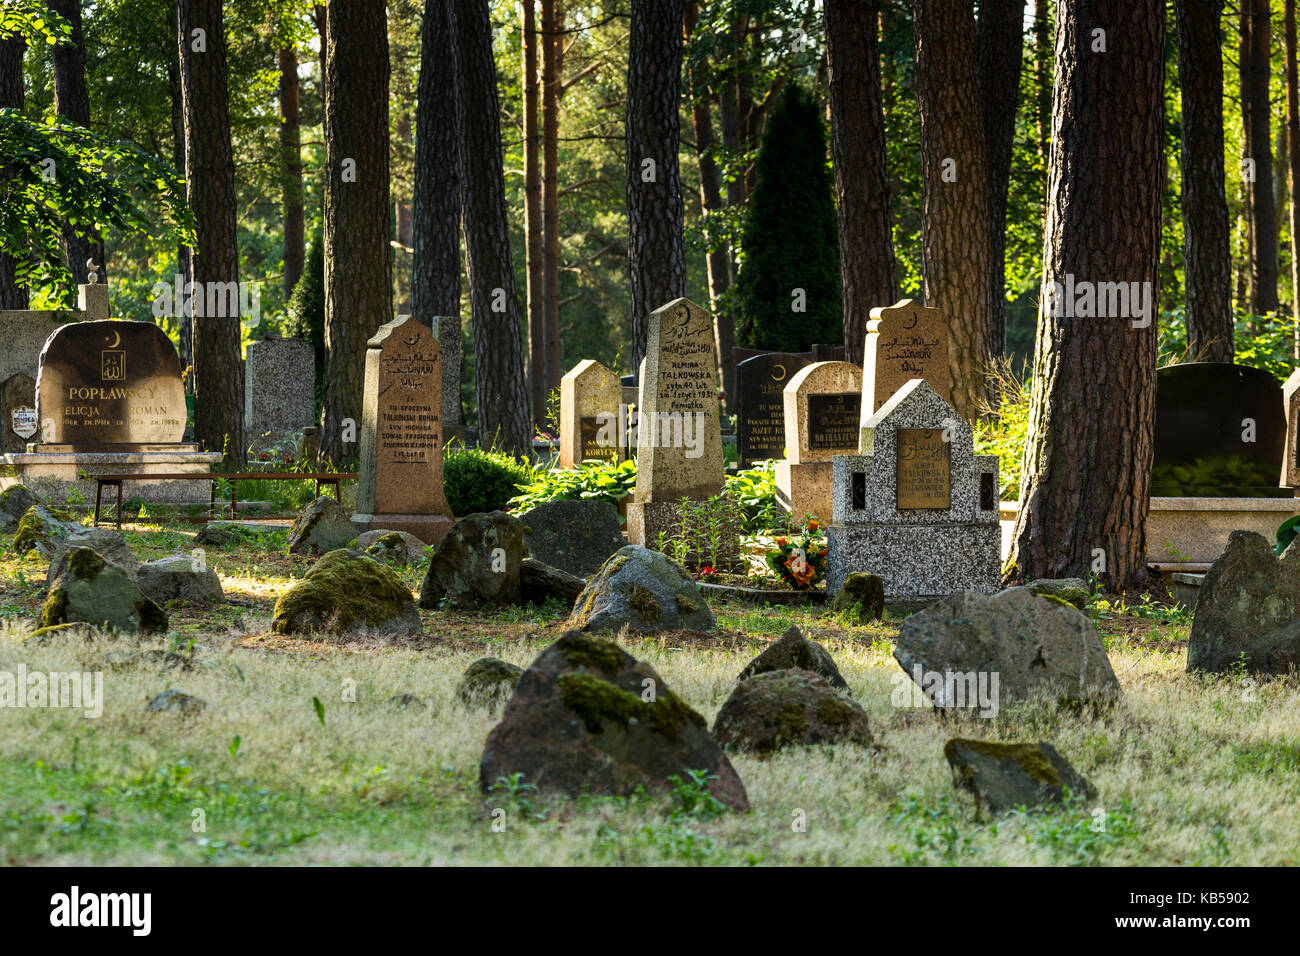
(477, 481)
(754, 489)
(1006, 432)
(595, 480)
(306, 306)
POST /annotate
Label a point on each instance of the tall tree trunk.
(717, 260)
(186, 328)
(210, 193)
(436, 203)
(1087, 464)
(656, 250)
(955, 213)
(1255, 122)
(1293, 161)
(358, 277)
(534, 240)
(291, 192)
(503, 417)
(1043, 73)
(12, 295)
(72, 102)
(868, 273)
(552, 53)
(1000, 37)
(402, 233)
(1207, 262)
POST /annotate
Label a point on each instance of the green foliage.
(707, 534)
(34, 21)
(938, 829)
(1006, 431)
(593, 481)
(477, 481)
(1286, 533)
(692, 798)
(754, 490)
(791, 237)
(1075, 835)
(1260, 341)
(306, 313)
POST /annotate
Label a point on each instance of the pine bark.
(534, 241)
(1257, 21)
(654, 200)
(12, 48)
(1293, 157)
(72, 102)
(1087, 467)
(868, 272)
(295, 238)
(210, 193)
(436, 202)
(552, 58)
(358, 277)
(501, 389)
(1207, 262)
(185, 348)
(955, 210)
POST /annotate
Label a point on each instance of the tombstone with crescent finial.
(400, 482)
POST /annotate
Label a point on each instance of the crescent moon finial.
(91, 275)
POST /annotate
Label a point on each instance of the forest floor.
(301, 758)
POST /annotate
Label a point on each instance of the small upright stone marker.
(822, 403)
(279, 390)
(760, 416)
(1291, 454)
(904, 341)
(400, 484)
(590, 399)
(679, 438)
(917, 508)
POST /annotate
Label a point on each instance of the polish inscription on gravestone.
(833, 420)
(924, 479)
(110, 382)
(761, 382)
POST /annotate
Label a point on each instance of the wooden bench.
(321, 478)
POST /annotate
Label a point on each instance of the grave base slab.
(805, 489)
(917, 562)
(430, 529)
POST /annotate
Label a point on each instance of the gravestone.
(17, 412)
(1220, 432)
(760, 411)
(279, 390)
(679, 439)
(399, 487)
(590, 400)
(821, 412)
(829, 353)
(916, 507)
(1291, 450)
(904, 341)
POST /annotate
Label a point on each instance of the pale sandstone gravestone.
(590, 399)
(1291, 456)
(904, 341)
(400, 482)
(679, 437)
(822, 405)
(279, 390)
(18, 412)
(760, 409)
(917, 507)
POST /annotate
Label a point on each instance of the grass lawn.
(302, 758)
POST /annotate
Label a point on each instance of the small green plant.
(593, 481)
(317, 706)
(1286, 533)
(1003, 428)
(754, 490)
(707, 532)
(478, 481)
(692, 797)
(520, 795)
(939, 829)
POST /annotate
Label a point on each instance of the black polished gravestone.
(1220, 432)
(108, 384)
(760, 412)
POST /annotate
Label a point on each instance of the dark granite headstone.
(110, 382)
(760, 415)
(16, 396)
(1220, 432)
(575, 536)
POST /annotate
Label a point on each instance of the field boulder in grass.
(348, 592)
(1003, 776)
(785, 708)
(91, 590)
(793, 651)
(477, 563)
(41, 526)
(14, 502)
(587, 717)
(539, 582)
(1072, 590)
(179, 577)
(399, 548)
(324, 525)
(1248, 609)
(1031, 645)
(488, 683)
(574, 536)
(864, 593)
(105, 542)
(644, 590)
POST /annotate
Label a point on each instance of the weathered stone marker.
(760, 412)
(917, 507)
(590, 396)
(279, 390)
(1291, 452)
(822, 405)
(904, 341)
(400, 483)
(17, 413)
(679, 439)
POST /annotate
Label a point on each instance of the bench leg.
(119, 506)
(99, 491)
(234, 500)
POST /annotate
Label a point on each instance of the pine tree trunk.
(1293, 160)
(358, 277)
(868, 273)
(1043, 59)
(1000, 40)
(717, 261)
(295, 239)
(12, 295)
(955, 213)
(210, 193)
(534, 240)
(1207, 262)
(72, 102)
(1087, 465)
(503, 416)
(1248, 203)
(654, 199)
(185, 349)
(1255, 121)
(552, 52)
(436, 201)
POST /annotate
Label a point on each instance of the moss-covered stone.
(788, 707)
(593, 653)
(863, 593)
(1002, 776)
(685, 605)
(346, 591)
(487, 683)
(644, 603)
(38, 525)
(643, 590)
(88, 589)
(599, 702)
